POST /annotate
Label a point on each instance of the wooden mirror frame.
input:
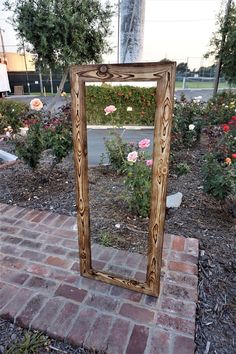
(164, 74)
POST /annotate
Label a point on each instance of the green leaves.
(63, 32)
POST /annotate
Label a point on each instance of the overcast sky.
(175, 29)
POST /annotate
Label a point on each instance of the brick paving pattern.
(41, 288)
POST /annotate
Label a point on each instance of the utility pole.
(219, 64)
(26, 68)
(118, 34)
(3, 46)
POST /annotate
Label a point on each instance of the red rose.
(226, 128)
(233, 156)
(233, 118)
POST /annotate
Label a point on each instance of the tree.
(223, 43)
(62, 32)
(182, 68)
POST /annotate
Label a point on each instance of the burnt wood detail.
(164, 74)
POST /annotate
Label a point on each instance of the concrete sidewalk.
(41, 288)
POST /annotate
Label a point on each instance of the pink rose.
(36, 104)
(109, 109)
(149, 163)
(143, 144)
(132, 156)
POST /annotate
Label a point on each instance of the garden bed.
(112, 224)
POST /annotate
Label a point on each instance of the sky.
(179, 30)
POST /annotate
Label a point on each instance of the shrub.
(11, 114)
(219, 108)
(182, 168)
(138, 179)
(45, 132)
(220, 163)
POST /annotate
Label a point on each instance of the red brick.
(183, 257)
(39, 217)
(9, 249)
(12, 262)
(29, 234)
(138, 340)
(123, 272)
(133, 260)
(192, 246)
(9, 229)
(69, 223)
(175, 323)
(49, 239)
(107, 254)
(7, 220)
(75, 267)
(44, 228)
(47, 314)
(183, 345)
(82, 326)
(11, 239)
(50, 218)
(15, 305)
(176, 307)
(58, 262)
(5, 208)
(94, 285)
(99, 333)
(63, 275)
(20, 213)
(32, 308)
(151, 300)
(178, 244)
(183, 267)
(65, 233)
(118, 338)
(182, 279)
(55, 249)
(120, 258)
(33, 256)
(71, 292)
(30, 215)
(17, 278)
(160, 342)
(6, 294)
(99, 265)
(126, 294)
(31, 244)
(136, 313)
(26, 225)
(40, 283)
(140, 276)
(59, 220)
(167, 240)
(102, 302)
(61, 326)
(73, 254)
(70, 244)
(143, 263)
(38, 269)
(180, 292)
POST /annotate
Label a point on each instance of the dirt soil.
(112, 224)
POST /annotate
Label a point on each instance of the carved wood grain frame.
(164, 74)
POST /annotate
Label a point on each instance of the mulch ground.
(113, 224)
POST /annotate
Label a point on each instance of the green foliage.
(182, 168)
(105, 239)
(11, 114)
(31, 148)
(62, 32)
(31, 344)
(138, 184)
(220, 108)
(117, 151)
(219, 178)
(141, 100)
(226, 32)
(219, 168)
(187, 122)
(44, 133)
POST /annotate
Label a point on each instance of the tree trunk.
(59, 91)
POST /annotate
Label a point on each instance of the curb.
(125, 127)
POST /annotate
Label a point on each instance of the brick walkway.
(42, 289)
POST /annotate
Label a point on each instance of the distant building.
(18, 63)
